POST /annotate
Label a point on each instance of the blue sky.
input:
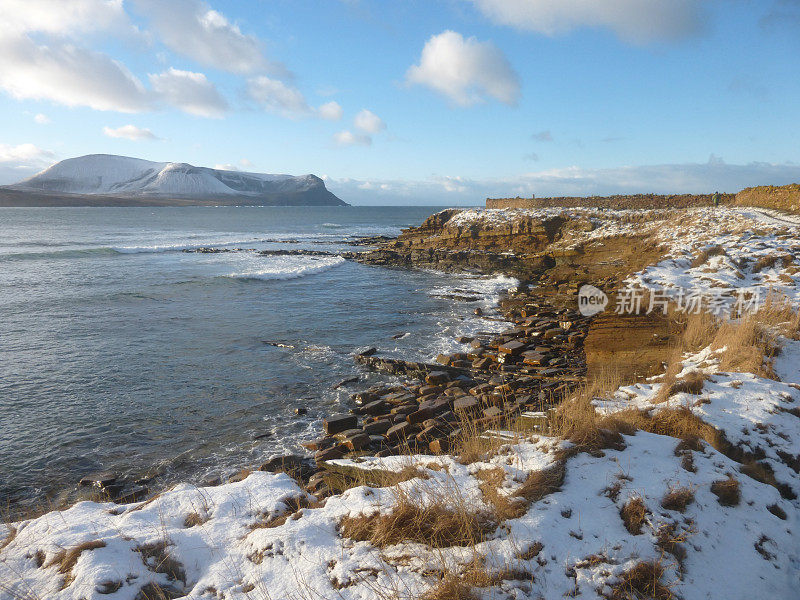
(440, 102)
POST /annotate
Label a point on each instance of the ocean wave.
(289, 267)
(180, 247)
(57, 254)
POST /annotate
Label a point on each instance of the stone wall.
(637, 201)
(785, 197)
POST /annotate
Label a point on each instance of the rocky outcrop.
(517, 247)
(627, 346)
(786, 198)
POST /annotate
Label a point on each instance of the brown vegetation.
(431, 523)
(643, 580)
(703, 256)
(677, 498)
(634, 515)
(157, 558)
(66, 559)
(727, 491)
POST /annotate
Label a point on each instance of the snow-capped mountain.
(125, 177)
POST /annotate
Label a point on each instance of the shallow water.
(118, 351)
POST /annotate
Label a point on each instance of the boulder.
(437, 378)
(339, 423)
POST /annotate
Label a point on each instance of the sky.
(413, 102)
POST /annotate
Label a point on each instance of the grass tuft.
(677, 498)
(634, 515)
(727, 491)
(643, 580)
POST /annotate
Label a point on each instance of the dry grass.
(677, 498)
(451, 588)
(342, 479)
(643, 580)
(435, 524)
(634, 515)
(542, 483)
(671, 541)
(157, 558)
(12, 533)
(194, 519)
(765, 262)
(727, 491)
(703, 256)
(65, 560)
(154, 591)
(777, 511)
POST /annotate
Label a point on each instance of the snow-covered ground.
(227, 541)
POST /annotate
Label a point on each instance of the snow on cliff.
(121, 175)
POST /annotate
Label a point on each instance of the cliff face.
(785, 197)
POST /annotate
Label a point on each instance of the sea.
(122, 350)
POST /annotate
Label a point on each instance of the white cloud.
(348, 138)
(569, 181)
(130, 132)
(69, 75)
(276, 96)
(246, 163)
(368, 122)
(25, 154)
(226, 167)
(63, 17)
(42, 119)
(19, 162)
(465, 70)
(191, 92)
(193, 29)
(637, 21)
(330, 111)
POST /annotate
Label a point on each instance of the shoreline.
(674, 476)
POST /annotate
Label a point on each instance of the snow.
(110, 174)
(742, 551)
(585, 546)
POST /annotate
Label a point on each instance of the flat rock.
(437, 377)
(338, 423)
(465, 403)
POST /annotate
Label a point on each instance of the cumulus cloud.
(715, 174)
(61, 17)
(19, 162)
(368, 122)
(542, 136)
(191, 92)
(330, 111)
(69, 75)
(226, 167)
(348, 138)
(465, 70)
(191, 28)
(41, 119)
(637, 21)
(276, 96)
(25, 155)
(130, 132)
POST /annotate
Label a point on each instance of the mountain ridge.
(108, 179)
